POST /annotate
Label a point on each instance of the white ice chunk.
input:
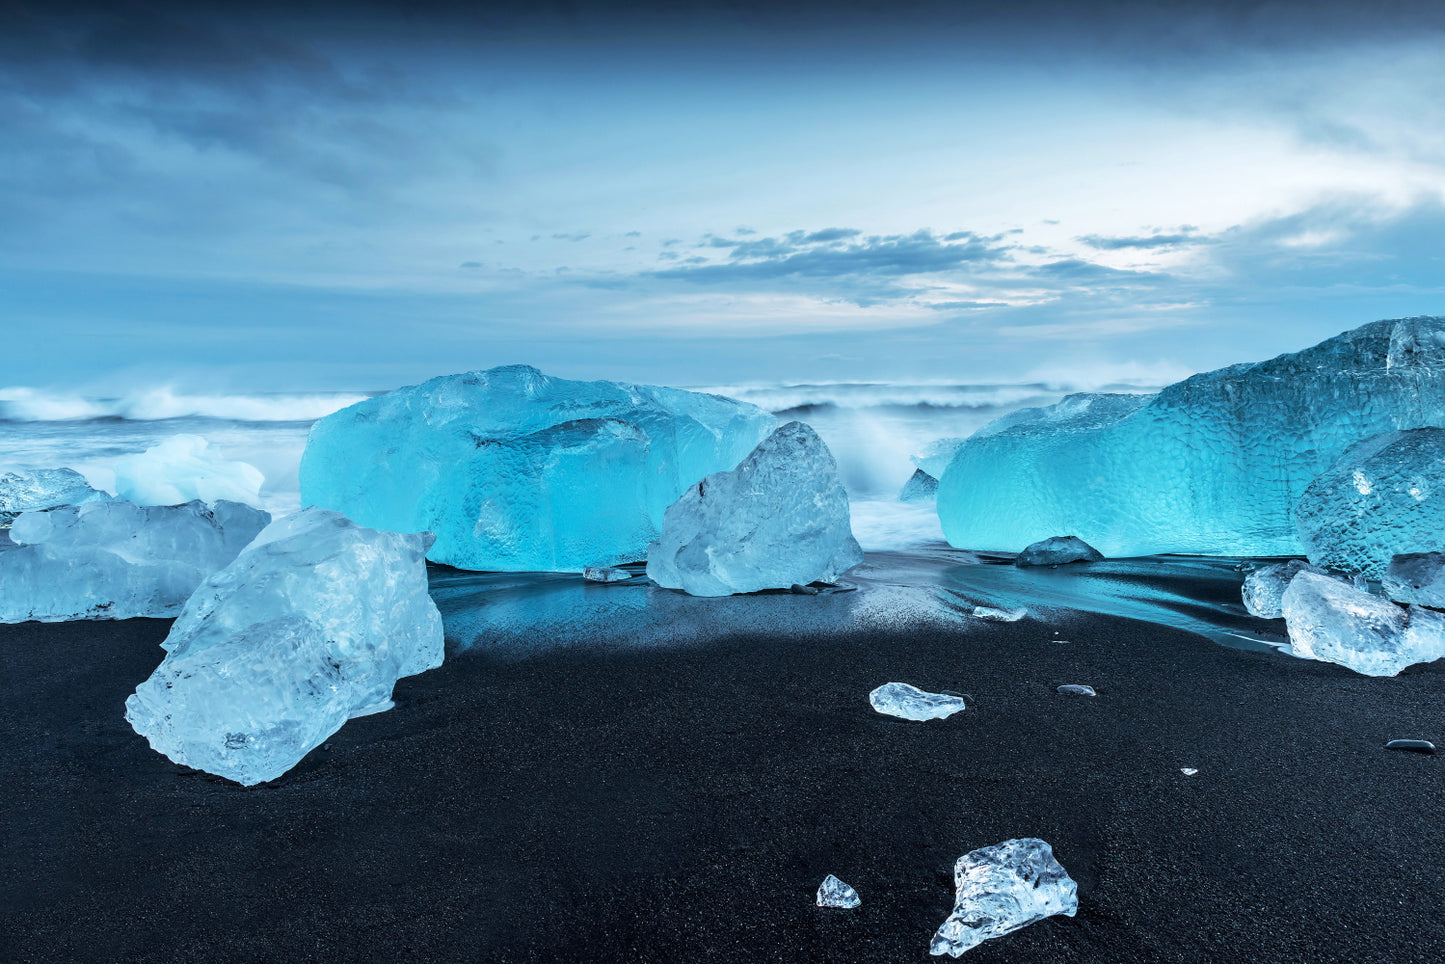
(1001, 889)
(605, 574)
(1264, 588)
(183, 468)
(1417, 577)
(912, 703)
(1058, 551)
(117, 560)
(312, 624)
(1333, 621)
(779, 518)
(834, 893)
(32, 490)
(1188, 771)
(1077, 689)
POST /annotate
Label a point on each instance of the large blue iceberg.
(1213, 464)
(515, 470)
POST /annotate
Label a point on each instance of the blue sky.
(361, 198)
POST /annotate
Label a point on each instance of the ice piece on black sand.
(1001, 889)
(311, 625)
(1416, 577)
(1077, 689)
(605, 574)
(1058, 551)
(834, 893)
(32, 490)
(1000, 615)
(1188, 771)
(1333, 621)
(912, 703)
(1414, 746)
(920, 487)
(1264, 588)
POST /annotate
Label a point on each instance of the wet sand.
(601, 804)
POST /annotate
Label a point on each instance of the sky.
(354, 197)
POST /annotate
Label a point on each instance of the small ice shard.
(117, 560)
(1001, 889)
(34, 490)
(912, 703)
(1188, 771)
(1416, 577)
(1058, 551)
(311, 625)
(920, 487)
(1077, 689)
(1333, 621)
(1264, 588)
(1414, 746)
(1000, 615)
(605, 574)
(779, 519)
(184, 468)
(834, 893)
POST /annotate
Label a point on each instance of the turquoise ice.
(514, 470)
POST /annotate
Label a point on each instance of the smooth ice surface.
(1416, 577)
(117, 560)
(605, 574)
(920, 487)
(32, 490)
(1333, 621)
(1001, 889)
(1213, 464)
(183, 468)
(1264, 587)
(779, 518)
(832, 892)
(312, 624)
(1058, 551)
(1385, 495)
(514, 470)
(912, 703)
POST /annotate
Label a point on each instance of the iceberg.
(311, 625)
(117, 560)
(1264, 587)
(911, 703)
(1331, 620)
(184, 468)
(920, 487)
(1416, 577)
(514, 470)
(1058, 551)
(1213, 464)
(1001, 889)
(780, 518)
(1385, 495)
(35, 489)
(832, 892)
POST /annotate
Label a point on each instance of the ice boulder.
(184, 468)
(779, 518)
(1385, 495)
(911, 703)
(1213, 464)
(1416, 577)
(920, 487)
(1264, 587)
(1058, 551)
(514, 470)
(1001, 889)
(32, 490)
(311, 625)
(1333, 621)
(117, 560)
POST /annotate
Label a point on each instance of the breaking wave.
(30, 405)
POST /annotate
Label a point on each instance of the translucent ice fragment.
(834, 893)
(183, 468)
(1077, 689)
(1417, 577)
(32, 490)
(779, 518)
(920, 487)
(936, 456)
(605, 574)
(1188, 771)
(1000, 615)
(312, 624)
(1058, 551)
(116, 560)
(1001, 889)
(1333, 621)
(912, 703)
(1264, 587)
(1414, 746)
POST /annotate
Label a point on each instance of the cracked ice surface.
(1001, 889)
(834, 893)
(36, 489)
(516, 471)
(1416, 577)
(117, 560)
(1333, 621)
(912, 703)
(311, 625)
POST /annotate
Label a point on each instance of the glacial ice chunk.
(1417, 577)
(1058, 551)
(1213, 464)
(1264, 588)
(1077, 689)
(1001, 889)
(920, 487)
(184, 468)
(1333, 621)
(1383, 496)
(605, 574)
(117, 560)
(834, 893)
(779, 518)
(32, 490)
(311, 625)
(514, 470)
(912, 703)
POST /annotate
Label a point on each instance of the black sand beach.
(673, 805)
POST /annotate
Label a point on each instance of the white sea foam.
(31, 405)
